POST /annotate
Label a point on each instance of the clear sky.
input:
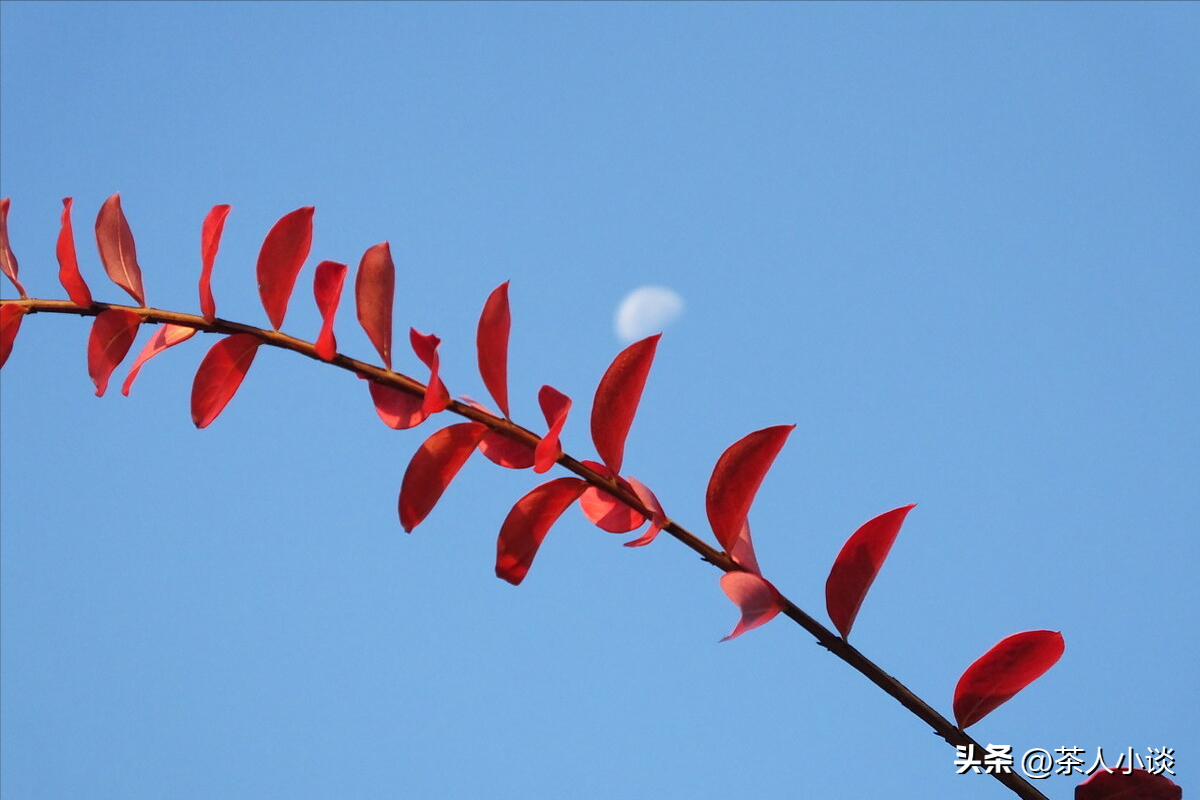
(955, 244)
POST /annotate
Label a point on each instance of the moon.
(646, 310)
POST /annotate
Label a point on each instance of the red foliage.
(528, 523)
(220, 374)
(1137, 784)
(374, 288)
(8, 261)
(617, 399)
(327, 288)
(555, 407)
(605, 511)
(491, 345)
(426, 347)
(432, 468)
(166, 336)
(1001, 672)
(857, 564)
(68, 265)
(114, 239)
(11, 315)
(735, 480)
(657, 518)
(112, 335)
(280, 259)
(210, 242)
(758, 600)
(398, 409)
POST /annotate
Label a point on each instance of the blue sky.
(956, 245)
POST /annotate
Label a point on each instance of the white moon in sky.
(647, 310)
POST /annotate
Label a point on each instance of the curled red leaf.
(327, 288)
(1135, 784)
(426, 347)
(398, 409)
(11, 315)
(555, 406)
(743, 551)
(210, 242)
(605, 511)
(432, 468)
(114, 240)
(220, 374)
(113, 332)
(617, 398)
(528, 523)
(758, 600)
(857, 564)
(280, 259)
(657, 518)
(491, 345)
(68, 264)
(374, 290)
(735, 480)
(166, 336)
(8, 261)
(1001, 672)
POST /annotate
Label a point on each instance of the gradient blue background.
(955, 244)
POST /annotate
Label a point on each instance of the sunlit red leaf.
(491, 344)
(327, 288)
(758, 600)
(374, 290)
(617, 398)
(528, 523)
(220, 374)
(68, 265)
(166, 336)
(280, 259)
(114, 240)
(432, 468)
(398, 409)
(555, 406)
(735, 480)
(8, 261)
(426, 347)
(1003, 671)
(210, 241)
(857, 564)
(743, 550)
(1136, 784)
(11, 315)
(113, 332)
(657, 518)
(505, 452)
(605, 511)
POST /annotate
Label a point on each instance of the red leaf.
(280, 259)
(857, 564)
(114, 240)
(506, 452)
(555, 406)
(759, 601)
(327, 288)
(166, 336)
(68, 265)
(742, 551)
(436, 395)
(1003, 671)
(374, 288)
(432, 468)
(491, 343)
(399, 410)
(112, 335)
(220, 374)
(528, 523)
(8, 261)
(210, 241)
(1137, 784)
(10, 322)
(617, 399)
(605, 511)
(657, 518)
(735, 480)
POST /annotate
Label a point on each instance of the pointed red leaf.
(280, 259)
(8, 261)
(743, 551)
(759, 601)
(68, 265)
(374, 289)
(166, 336)
(426, 348)
(10, 322)
(327, 288)
(491, 343)
(220, 374)
(555, 406)
(114, 240)
(210, 241)
(113, 332)
(528, 523)
(1136, 784)
(857, 564)
(735, 480)
(1003, 671)
(617, 399)
(432, 468)
(657, 518)
(399, 410)
(505, 452)
(605, 511)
